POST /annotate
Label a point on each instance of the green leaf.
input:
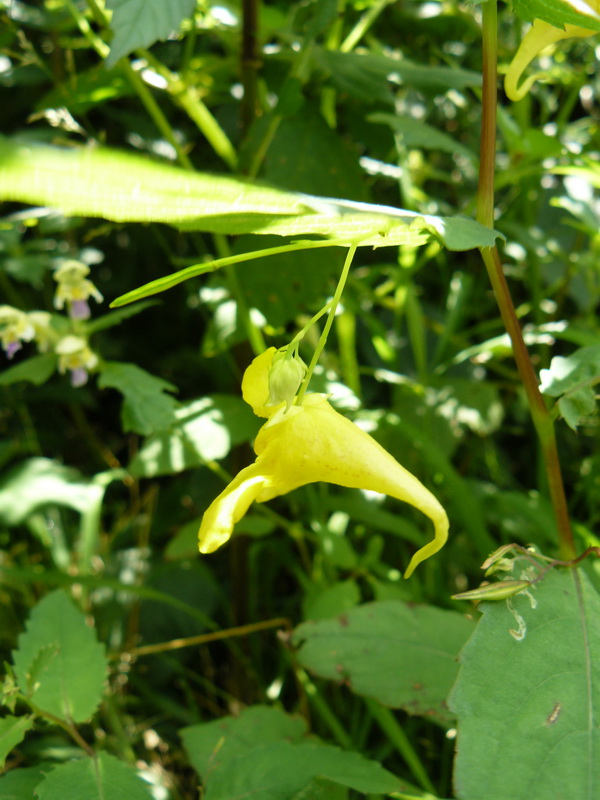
(146, 407)
(324, 602)
(128, 188)
(12, 732)
(203, 430)
(40, 482)
(527, 707)
(402, 655)
(559, 12)
(420, 135)
(140, 23)
(279, 771)
(365, 75)
(306, 155)
(231, 737)
(263, 754)
(115, 317)
(572, 379)
(20, 784)
(69, 664)
(101, 778)
(123, 187)
(83, 91)
(36, 369)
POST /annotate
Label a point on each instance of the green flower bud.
(285, 376)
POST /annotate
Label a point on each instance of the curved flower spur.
(301, 444)
(538, 37)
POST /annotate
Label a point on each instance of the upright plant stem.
(491, 258)
(332, 310)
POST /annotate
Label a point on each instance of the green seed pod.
(285, 376)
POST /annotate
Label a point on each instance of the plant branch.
(485, 215)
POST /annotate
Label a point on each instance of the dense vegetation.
(431, 255)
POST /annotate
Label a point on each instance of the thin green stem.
(363, 25)
(155, 112)
(485, 214)
(189, 99)
(327, 716)
(84, 26)
(253, 332)
(333, 308)
(395, 733)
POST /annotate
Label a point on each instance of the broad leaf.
(232, 737)
(559, 12)
(40, 482)
(20, 784)
(59, 664)
(128, 188)
(263, 754)
(420, 135)
(402, 655)
(124, 187)
(365, 75)
(202, 430)
(12, 732)
(101, 778)
(572, 380)
(140, 23)
(146, 407)
(527, 707)
(36, 370)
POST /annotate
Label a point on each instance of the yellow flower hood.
(538, 37)
(308, 443)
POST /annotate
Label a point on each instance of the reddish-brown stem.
(491, 257)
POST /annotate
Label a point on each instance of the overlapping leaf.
(528, 702)
(402, 655)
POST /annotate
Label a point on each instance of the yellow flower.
(538, 37)
(308, 443)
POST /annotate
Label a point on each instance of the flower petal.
(228, 508)
(314, 443)
(539, 36)
(255, 384)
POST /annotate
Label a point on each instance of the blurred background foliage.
(103, 485)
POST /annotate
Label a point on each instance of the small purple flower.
(79, 377)
(80, 309)
(11, 348)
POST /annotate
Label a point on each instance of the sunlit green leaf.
(59, 663)
(573, 379)
(39, 482)
(559, 12)
(202, 430)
